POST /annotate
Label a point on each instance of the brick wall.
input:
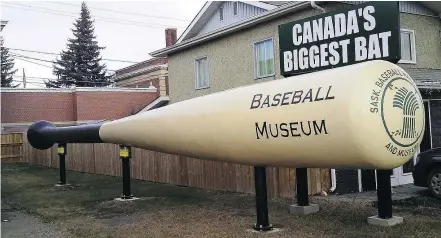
(20, 106)
(32, 106)
(110, 105)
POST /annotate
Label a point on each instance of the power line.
(48, 53)
(92, 82)
(27, 57)
(14, 80)
(34, 51)
(20, 58)
(32, 77)
(75, 14)
(123, 12)
(69, 14)
(17, 57)
(32, 83)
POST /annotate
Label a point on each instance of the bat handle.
(43, 134)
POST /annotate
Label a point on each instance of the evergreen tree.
(7, 67)
(80, 64)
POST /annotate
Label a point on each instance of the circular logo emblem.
(402, 112)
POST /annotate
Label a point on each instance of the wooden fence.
(177, 170)
(12, 148)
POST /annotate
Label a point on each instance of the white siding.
(415, 8)
(244, 11)
(412, 7)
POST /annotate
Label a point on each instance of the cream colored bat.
(369, 115)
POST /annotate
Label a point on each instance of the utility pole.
(24, 79)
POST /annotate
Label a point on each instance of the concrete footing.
(274, 230)
(61, 185)
(126, 199)
(303, 210)
(376, 221)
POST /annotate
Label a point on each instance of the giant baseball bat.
(368, 115)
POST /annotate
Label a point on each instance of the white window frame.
(237, 8)
(412, 45)
(221, 10)
(196, 73)
(254, 57)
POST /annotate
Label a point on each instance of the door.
(403, 174)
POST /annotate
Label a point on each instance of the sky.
(129, 30)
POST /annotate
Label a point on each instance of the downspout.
(315, 6)
(333, 181)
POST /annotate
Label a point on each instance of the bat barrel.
(43, 134)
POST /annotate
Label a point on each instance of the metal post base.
(126, 199)
(263, 228)
(127, 196)
(59, 184)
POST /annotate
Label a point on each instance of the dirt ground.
(86, 209)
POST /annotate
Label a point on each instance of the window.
(235, 8)
(221, 13)
(407, 46)
(263, 58)
(201, 71)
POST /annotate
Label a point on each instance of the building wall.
(141, 65)
(231, 63)
(427, 40)
(23, 106)
(110, 105)
(157, 79)
(244, 11)
(33, 106)
(406, 7)
(230, 58)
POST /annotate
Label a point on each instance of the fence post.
(261, 200)
(384, 196)
(62, 152)
(125, 153)
(303, 207)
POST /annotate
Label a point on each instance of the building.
(70, 106)
(152, 72)
(232, 44)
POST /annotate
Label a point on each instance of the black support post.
(384, 194)
(125, 154)
(261, 200)
(62, 151)
(302, 186)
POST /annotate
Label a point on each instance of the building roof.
(140, 65)
(426, 78)
(276, 3)
(209, 8)
(278, 9)
(235, 27)
(140, 71)
(433, 5)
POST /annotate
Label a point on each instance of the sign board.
(363, 32)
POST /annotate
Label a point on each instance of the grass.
(87, 209)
